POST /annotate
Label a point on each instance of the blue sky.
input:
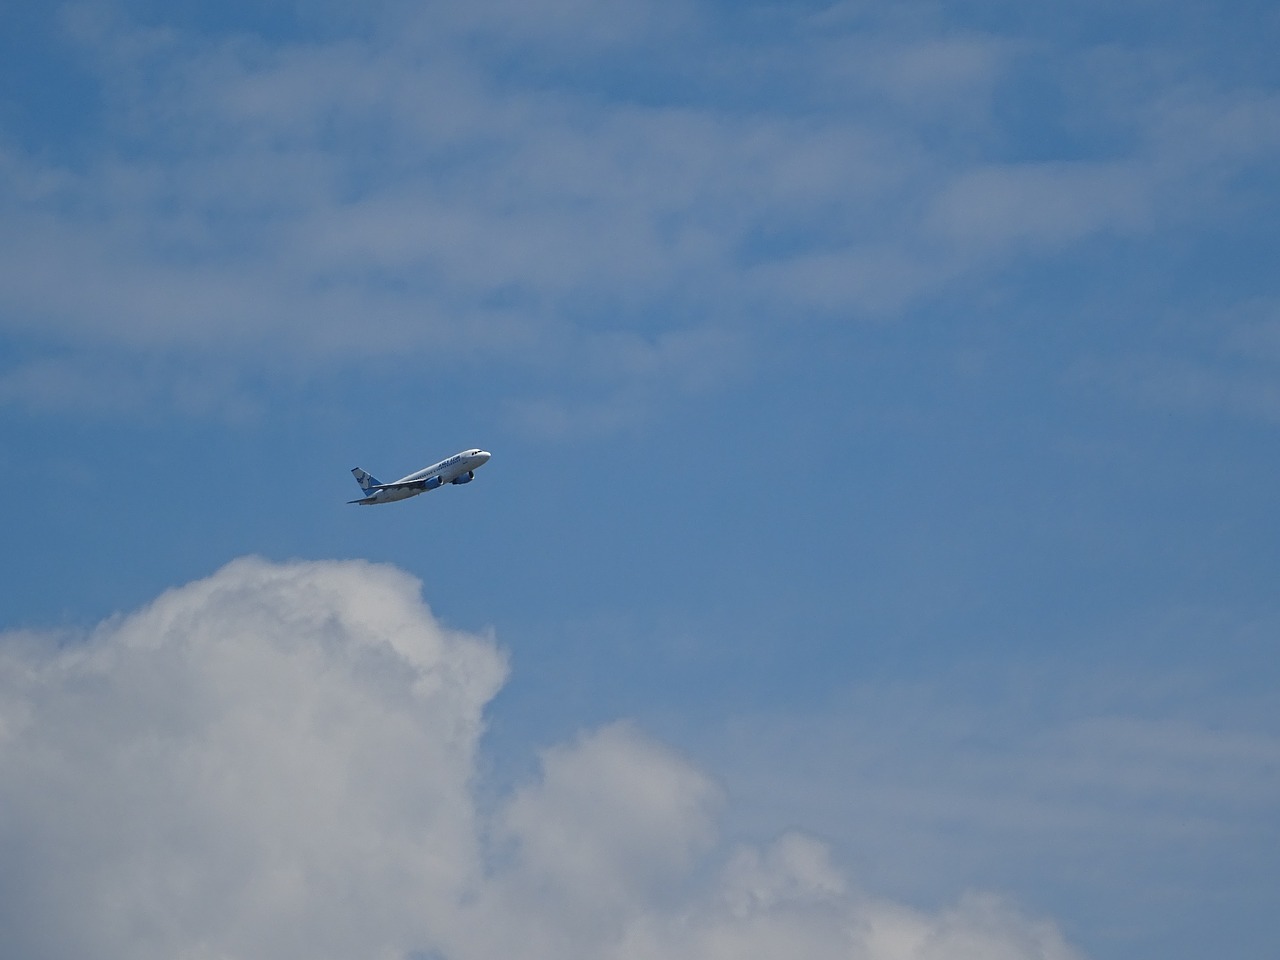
(883, 400)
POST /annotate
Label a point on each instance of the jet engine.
(464, 478)
(434, 482)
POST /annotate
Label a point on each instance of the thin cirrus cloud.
(1229, 364)
(280, 760)
(435, 184)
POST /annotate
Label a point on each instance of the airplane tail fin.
(366, 481)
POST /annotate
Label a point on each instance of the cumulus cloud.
(279, 761)
(270, 762)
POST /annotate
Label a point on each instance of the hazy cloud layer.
(506, 184)
(278, 761)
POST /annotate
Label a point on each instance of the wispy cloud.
(434, 184)
(1067, 773)
(1221, 362)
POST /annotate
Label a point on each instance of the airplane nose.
(484, 456)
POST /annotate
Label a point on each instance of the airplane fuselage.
(458, 469)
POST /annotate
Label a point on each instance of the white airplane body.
(460, 468)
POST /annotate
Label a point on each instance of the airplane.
(460, 468)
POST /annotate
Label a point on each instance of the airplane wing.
(427, 483)
(364, 500)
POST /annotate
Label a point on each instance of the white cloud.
(431, 186)
(91, 387)
(1044, 204)
(628, 375)
(1223, 362)
(279, 761)
(270, 762)
(1069, 774)
(613, 817)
